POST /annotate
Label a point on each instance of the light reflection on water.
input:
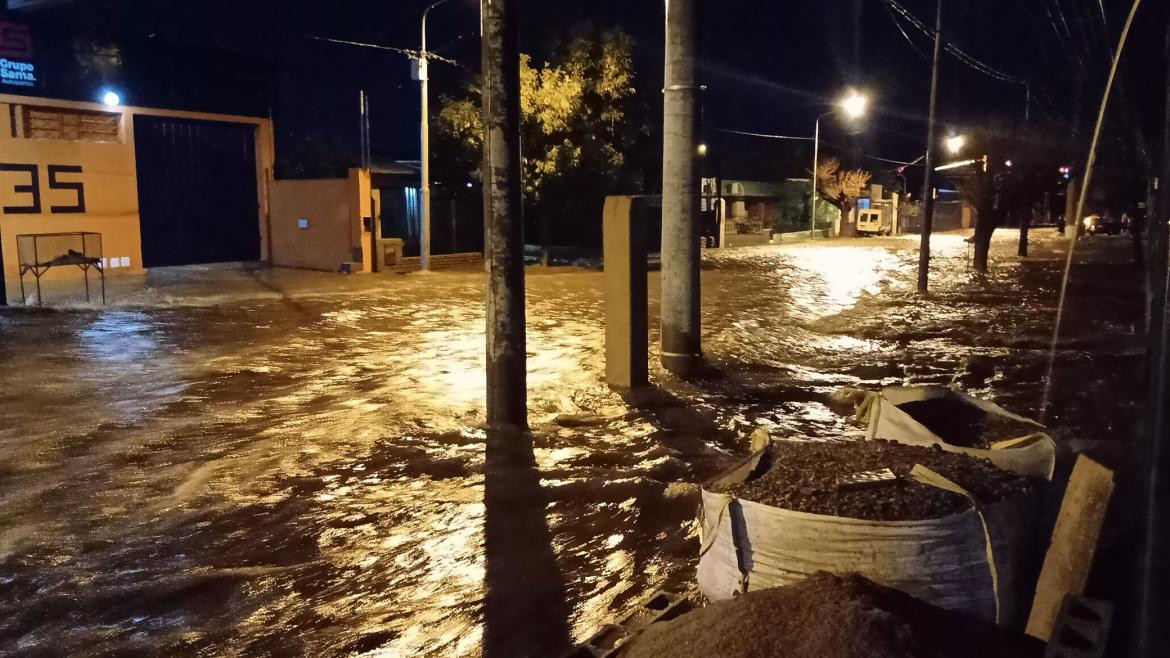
(308, 479)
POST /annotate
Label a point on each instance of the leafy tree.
(576, 129)
(841, 188)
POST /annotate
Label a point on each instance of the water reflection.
(244, 478)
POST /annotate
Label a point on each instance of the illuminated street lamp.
(854, 106)
(955, 143)
(422, 74)
(111, 99)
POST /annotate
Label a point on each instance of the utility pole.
(681, 340)
(927, 190)
(1152, 602)
(423, 75)
(507, 404)
(812, 213)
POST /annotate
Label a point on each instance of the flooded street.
(306, 474)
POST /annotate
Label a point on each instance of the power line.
(809, 139)
(414, 54)
(763, 135)
(951, 48)
(894, 18)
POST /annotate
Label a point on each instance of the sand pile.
(804, 477)
(828, 616)
(965, 425)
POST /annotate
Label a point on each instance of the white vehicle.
(869, 222)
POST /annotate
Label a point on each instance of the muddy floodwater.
(305, 474)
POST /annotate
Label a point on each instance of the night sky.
(770, 66)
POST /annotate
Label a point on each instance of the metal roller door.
(197, 194)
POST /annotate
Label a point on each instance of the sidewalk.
(206, 285)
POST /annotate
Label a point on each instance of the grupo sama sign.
(17, 68)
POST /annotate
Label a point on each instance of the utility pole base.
(683, 365)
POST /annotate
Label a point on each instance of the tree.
(1009, 178)
(841, 188)
(575, 132)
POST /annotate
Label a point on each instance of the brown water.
(307, 476)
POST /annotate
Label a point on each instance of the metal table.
(32, 247)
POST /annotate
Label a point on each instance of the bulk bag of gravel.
(936, 415)
(961, 543)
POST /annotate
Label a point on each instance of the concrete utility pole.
(927, 190)
(423, 75)
(681, 341)
(812, 212)
(507, 403)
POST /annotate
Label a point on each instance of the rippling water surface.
(307, 476)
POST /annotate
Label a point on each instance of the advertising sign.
(17, 68)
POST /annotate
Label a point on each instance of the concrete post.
(681, 347)
(927, 190)
(626, 313)
(507, 405)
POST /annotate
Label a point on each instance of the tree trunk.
(848, 222)
(985, 223)
(1025, 221)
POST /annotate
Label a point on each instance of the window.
(71, 125)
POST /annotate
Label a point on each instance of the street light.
(111, 99)
(854, 105)
(955, 143)
(425, 153)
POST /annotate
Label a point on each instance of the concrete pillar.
(626, 312)
(507, 404)
(681, 340)
(928, 164)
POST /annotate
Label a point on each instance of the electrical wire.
(763, 135)
(1080, 209)
(894, 18)
(809, 139)
(414, 54)
(951, 48)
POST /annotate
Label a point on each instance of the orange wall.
(334, 209)
(109, 176)
(111, 196)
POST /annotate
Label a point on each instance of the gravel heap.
(803, 477)
(828, 616)
(965, 425)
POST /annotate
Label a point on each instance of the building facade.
(162, 187)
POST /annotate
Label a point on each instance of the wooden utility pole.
(927, 189)
(507, 404)
(681, 340)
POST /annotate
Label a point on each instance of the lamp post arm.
(812, 220)
(424, 23)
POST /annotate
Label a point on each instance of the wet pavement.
(303, 472)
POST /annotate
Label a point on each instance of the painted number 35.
(31, 191)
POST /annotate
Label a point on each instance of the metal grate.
(71, 125)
